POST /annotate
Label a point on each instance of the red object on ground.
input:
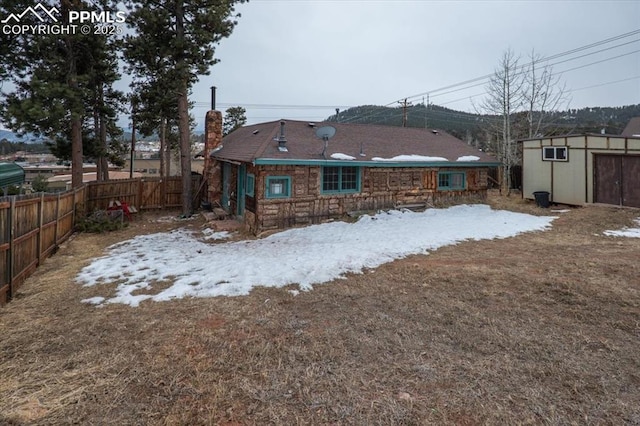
(121, 205)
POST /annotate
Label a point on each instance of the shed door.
(617, 180)
(607, 179)
(631, 181)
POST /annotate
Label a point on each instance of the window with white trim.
(555, 153)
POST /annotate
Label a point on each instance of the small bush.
(102, 221)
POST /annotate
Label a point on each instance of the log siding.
(380, 188)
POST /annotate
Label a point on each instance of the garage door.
(617, 180)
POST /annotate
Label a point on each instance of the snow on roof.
(410, 157)
(468, 158)
(303, 256)
(340, 156)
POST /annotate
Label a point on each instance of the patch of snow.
(468, 158)
(560, 211)
(210, 234)
(340, 156)
(94, 300)
(626, 231)
(411, 157)
(169, 219)
(304, 256)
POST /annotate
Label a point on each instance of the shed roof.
(365, 144)
(11, 174)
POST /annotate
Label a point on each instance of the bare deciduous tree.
(544, 94)
(504, 98)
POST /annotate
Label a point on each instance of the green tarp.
(11, 174)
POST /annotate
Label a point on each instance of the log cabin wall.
(380, 188)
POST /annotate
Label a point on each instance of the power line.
(468, 84)
(544, 59)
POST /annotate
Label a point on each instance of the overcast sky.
(320, 55)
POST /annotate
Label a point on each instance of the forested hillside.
(471, 127)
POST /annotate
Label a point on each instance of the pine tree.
(54, 80)
(234, 118)
(174, 42)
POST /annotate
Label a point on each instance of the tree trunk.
(103, 162)
(76, 152)
(183, 115)
(163, 146)
(75, 107)
(185, 152)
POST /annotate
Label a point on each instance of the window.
(341, 179)
(554, 153)
(250, 185)
(278, 187)
(451, 180)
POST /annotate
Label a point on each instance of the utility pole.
(426, 111)
(404, 104)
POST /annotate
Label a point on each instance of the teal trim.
(242, 175)
(341, 178)
(251, 185)
(278, 187)
(224, 197)
(433, 164)
(451, 181)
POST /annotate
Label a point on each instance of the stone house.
(284, 173)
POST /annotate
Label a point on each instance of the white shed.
(583, 169)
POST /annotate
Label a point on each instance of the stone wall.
(212, 139)
(381, 188)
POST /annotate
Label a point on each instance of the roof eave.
(322, 162)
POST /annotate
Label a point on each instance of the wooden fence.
(33, 226)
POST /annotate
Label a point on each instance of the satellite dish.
(326, 132)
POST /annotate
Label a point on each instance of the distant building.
(63, 182)
(151, 166)
(633, 128)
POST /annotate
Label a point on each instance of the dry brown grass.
(542, 328)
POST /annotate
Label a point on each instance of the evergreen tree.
(54, 80)
(234, 118)
(174, 42)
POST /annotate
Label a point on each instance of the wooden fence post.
(139, 195)
(40, 222)
(12, 232)
(55, 233)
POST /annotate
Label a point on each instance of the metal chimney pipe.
(282, 140)
(213, 98)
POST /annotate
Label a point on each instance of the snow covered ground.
(626, 232)
(199, 267)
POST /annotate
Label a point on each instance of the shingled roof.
(365, 144)
(633, 128)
